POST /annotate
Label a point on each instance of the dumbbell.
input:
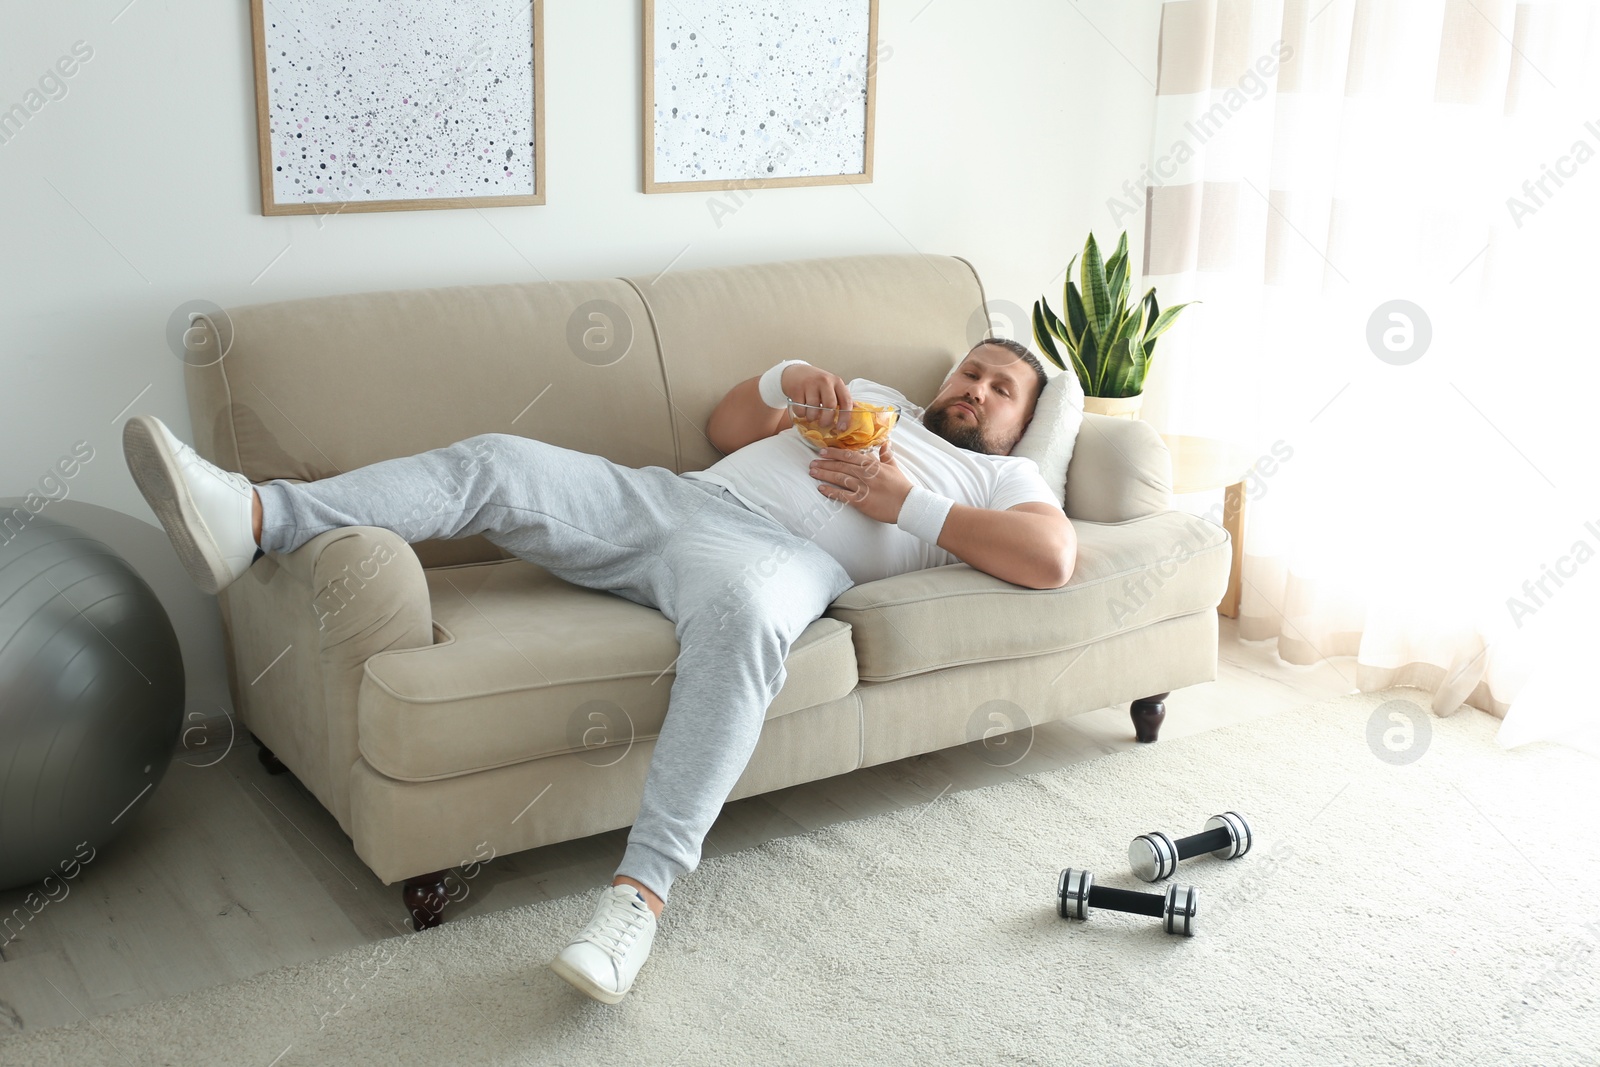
(1177, 909)
(1155, 856)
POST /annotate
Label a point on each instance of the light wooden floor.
(229, 872)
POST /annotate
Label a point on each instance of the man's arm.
(742, 417)
(1032, 544)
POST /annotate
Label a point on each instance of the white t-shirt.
(772, 477)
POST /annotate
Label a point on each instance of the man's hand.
(805, 384)
(872, 483)
(1032, 545)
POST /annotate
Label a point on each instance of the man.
(942, 489)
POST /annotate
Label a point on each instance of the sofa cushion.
(1128, 575)
(526, 665)
(1053, 431)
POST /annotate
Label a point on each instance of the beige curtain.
(1388, 211)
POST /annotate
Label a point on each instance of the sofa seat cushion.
(525, 665)
(1128, 575)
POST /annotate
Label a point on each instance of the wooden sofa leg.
(425, 897)
(1148, 715)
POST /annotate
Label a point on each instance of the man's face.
(986, 404)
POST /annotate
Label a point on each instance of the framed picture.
(760, 93)
(363, 107)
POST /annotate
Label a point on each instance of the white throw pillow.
(1049, 438)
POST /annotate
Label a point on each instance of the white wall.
(1002, 128)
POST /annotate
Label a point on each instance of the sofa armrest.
(372, 570)
(1120, 470)
(301, 627)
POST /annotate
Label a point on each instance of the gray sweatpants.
(738, 587)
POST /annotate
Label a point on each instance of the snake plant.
(1109, 340)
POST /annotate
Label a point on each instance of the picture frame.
(664, 163)
(440, 88)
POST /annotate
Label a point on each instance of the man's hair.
(1021, 351)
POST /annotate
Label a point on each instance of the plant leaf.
(1042, 316)
(1117, 282)
(1118, 363)
(1042, 329)
(1158, 326)
(1077, 320)
(1133, 384)
(1081, 370)
(1165, 321)
(1113, 362)
(1141, 364)
(1053, 326)
(1107, 380)
(1096, 295)
(1118, 258)
(1089, 355)
(1118, 271)
(1129, 329)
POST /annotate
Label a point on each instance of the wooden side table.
(1201, 464)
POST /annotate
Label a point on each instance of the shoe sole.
(155, 472)
(583, 983)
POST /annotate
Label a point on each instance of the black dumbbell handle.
(1101, 896)
(1203, 842)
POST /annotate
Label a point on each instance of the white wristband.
(772, 384)
(923, 514)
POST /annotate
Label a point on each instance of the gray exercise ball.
(91, 695)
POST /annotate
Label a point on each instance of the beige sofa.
(446, 702)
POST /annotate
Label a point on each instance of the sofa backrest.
(903, 320)
(312, 387)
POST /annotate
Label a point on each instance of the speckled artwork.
(760, 90)
(399, 100)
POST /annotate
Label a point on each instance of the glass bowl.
(855, 428)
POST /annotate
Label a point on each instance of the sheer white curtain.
(1389, 212)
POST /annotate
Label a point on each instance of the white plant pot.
(1118, 407)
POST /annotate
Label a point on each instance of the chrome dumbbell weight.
(1176, 908)
(1155, 856)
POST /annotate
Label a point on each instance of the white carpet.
(1432, 912)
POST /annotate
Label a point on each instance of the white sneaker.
(605, 957)
(206, 511)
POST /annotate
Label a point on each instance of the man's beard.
(961, 434)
